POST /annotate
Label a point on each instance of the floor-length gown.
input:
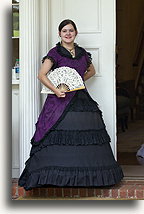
(70, 146)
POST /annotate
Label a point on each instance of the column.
(29, 66)
(45, 35)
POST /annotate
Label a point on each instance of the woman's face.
(68, 33)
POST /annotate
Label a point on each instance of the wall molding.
(98, 66)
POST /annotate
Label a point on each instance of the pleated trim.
(65, 53)
(73, 137)
(74, 176)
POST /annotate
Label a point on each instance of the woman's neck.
(69, 46)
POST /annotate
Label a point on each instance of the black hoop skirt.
(76, 151)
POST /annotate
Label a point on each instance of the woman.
(70, 146)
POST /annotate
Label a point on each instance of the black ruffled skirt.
(76, 151)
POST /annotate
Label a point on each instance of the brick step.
(125, 190)
(72, 198)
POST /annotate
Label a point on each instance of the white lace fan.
(65, 78)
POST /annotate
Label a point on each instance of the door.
(95, 20)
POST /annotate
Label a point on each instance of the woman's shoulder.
(52, 55)
(86, 53)
(80, 47)
(83, 50)
(53, 50)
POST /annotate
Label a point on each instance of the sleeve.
(52, 55)
(88, 58)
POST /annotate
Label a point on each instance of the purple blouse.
(54, 106)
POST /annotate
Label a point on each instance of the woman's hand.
(42, 76)
(59, 93)
(90, 72)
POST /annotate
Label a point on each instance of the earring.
(76, 39)
(59, 38)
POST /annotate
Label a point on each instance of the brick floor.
(126, 190)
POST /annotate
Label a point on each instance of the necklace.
(72, 51)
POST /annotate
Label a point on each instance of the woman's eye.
(64, 31)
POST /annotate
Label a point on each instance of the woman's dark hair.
(66, 22)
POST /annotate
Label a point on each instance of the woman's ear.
(60, 34)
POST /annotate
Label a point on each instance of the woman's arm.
(90, 72)
(42, 76)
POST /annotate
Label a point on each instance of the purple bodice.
(54, 106)
(79, 64)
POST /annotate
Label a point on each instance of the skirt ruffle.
(75, 138)
(72, 177)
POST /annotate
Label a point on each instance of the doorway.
(130, 86)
